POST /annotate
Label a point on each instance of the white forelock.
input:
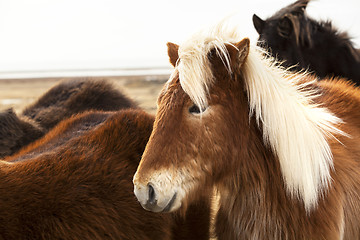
(194, 68)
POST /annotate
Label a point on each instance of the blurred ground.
(18, 93)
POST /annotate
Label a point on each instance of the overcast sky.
(84, 34)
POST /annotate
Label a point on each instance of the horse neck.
(254, 202)
(252, 195)
(253, 198)
(251, 164)
(256, 171)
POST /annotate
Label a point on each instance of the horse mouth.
(170, 204)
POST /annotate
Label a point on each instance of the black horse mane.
(305, 27)
(341, 37)
(297, 7)
(296, 38)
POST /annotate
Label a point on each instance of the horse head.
(178, 161)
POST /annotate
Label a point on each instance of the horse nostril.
(151, 200)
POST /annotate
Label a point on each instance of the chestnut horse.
(75, 183)
(304, 43)
(274, 143)
(60, 102)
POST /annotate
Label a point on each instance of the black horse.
(304, 43)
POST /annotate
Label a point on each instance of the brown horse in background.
(75, 183)
(274, 143)
(75, 96)
(60, 102)
(304, 43)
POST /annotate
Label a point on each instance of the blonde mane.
(293, 125)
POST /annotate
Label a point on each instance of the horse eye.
(194, 109)
(212, 54)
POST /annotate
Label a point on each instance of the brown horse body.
(60, 102)
(75, 183)
(273, 143)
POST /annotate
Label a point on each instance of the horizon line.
(103, 72)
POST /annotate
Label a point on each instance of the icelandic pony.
(304, 43)
(275, 144)
(60, 102)
(75, 183)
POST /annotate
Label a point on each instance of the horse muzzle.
(153, 200)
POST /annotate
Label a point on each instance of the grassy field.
(18, 93)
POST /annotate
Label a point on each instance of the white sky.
(84, 34)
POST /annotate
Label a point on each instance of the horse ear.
(243, 46)
(173, 52)
(301, 6)
(258, 23)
